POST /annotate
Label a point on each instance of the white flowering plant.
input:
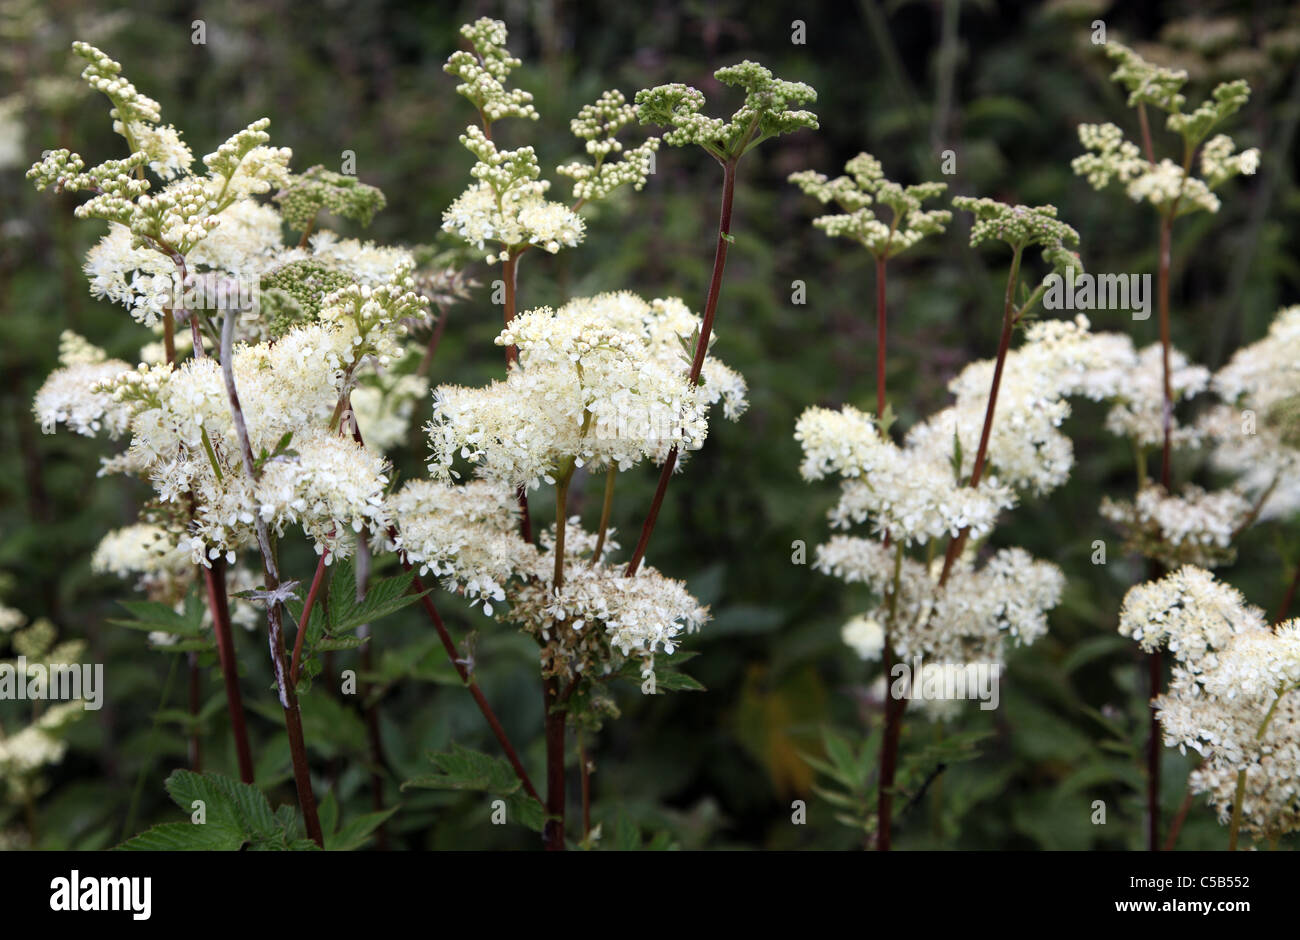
(482, 522)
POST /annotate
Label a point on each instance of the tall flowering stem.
(1173, 191)
(881, 330)
(895, 707)
(275, 592)
(218, 603)
(697, 363)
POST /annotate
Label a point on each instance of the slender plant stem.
(169, 335)
(610, 476)
(305, 619)
(556, 715)
(128, 824)
(1176, 827)
(701, 350)
(510, 277)
(956, 545)
(881, 327)
(274, 602)
(219, 605)
(1285, 607)
(1239, 797)
(1155, 664)
(370, 706)
(553, 834)
(434, 339)
(471, 683)
(1147, 147)
(894, 708)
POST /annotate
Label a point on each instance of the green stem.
(610, 475)
(212, 457)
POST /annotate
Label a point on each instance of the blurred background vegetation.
(1001, 84)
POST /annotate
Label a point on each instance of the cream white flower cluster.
(28, 749)
(508, 206)
(1194, 526)
(1134, 384)
(918, 492)
(26, 752)
(1232, 697)
(467, 535)
(183, 439)
(1166, 185)
(1255, 435)
(971, 618)
(601, 382)
(68, 394)
(600, 618)
(149, 552)
(854, 194)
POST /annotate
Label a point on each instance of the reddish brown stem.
(894, 708)
(1154, 659)
(701, 350)
(1285, 608)
(1167, 408)
(1179, 818)
(1154, 674)
(293, 727)
(981, 455)
(466, 676)
(305, 619)
(553, 834)
(509, 274)
(169, 335)
(215, 577)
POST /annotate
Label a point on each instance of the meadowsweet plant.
(1164, 525)
(598, 386)
(1231, 698)
(243, 428)
(951, 478)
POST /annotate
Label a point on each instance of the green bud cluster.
(318, 188)
(766, 112)
(599, 124)
(854, 194)
(484, 72)
(292, 294)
